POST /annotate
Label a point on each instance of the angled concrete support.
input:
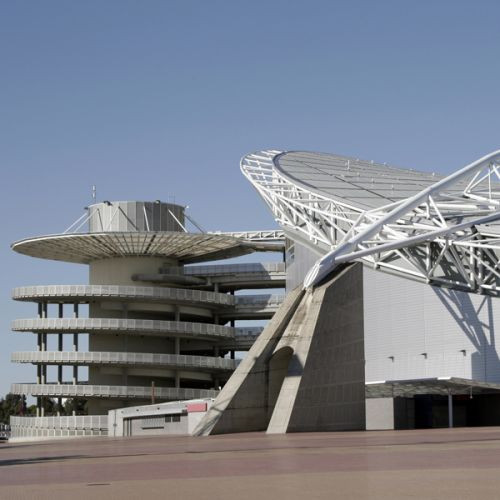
(324, 387)
(306, 371)
(242, 404)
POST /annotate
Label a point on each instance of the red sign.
(196, 407)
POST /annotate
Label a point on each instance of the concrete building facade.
(176, 417)
(429, 251)
(305, 372)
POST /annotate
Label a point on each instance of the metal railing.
(111, 391)
(98, 422)
(248, 331)
(124, 326)
(262, 300)
(124, 358)
(243, 339)
(267, 268)
(157, 294)
(175, 295)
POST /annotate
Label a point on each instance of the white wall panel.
(413, 330)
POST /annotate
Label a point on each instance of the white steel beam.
(435, 235)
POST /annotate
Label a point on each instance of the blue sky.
(159, 99)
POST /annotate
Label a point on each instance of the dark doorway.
(426, 411)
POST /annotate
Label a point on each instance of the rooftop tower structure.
(158, 327)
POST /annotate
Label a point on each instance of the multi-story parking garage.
(159, 325)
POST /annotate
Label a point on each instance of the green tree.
(77, 405)
(12, 404)
(49, 406)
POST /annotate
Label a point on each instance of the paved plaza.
(437, 463)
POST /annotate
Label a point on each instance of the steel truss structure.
(444, 235)
(79, 227)
(266, 235)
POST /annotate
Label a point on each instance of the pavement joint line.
(291, 447)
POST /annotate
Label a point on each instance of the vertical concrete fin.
(298, 336)
(323, 388)
(306, 370)
(242, 405)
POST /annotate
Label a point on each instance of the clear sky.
(159, 99)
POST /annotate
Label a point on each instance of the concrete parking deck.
(438, 463)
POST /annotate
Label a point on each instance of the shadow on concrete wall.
(482, 335)
(277, 371)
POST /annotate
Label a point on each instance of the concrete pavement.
(437, 463)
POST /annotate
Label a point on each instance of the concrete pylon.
(306, 370)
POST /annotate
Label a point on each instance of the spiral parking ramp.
(158, 327)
